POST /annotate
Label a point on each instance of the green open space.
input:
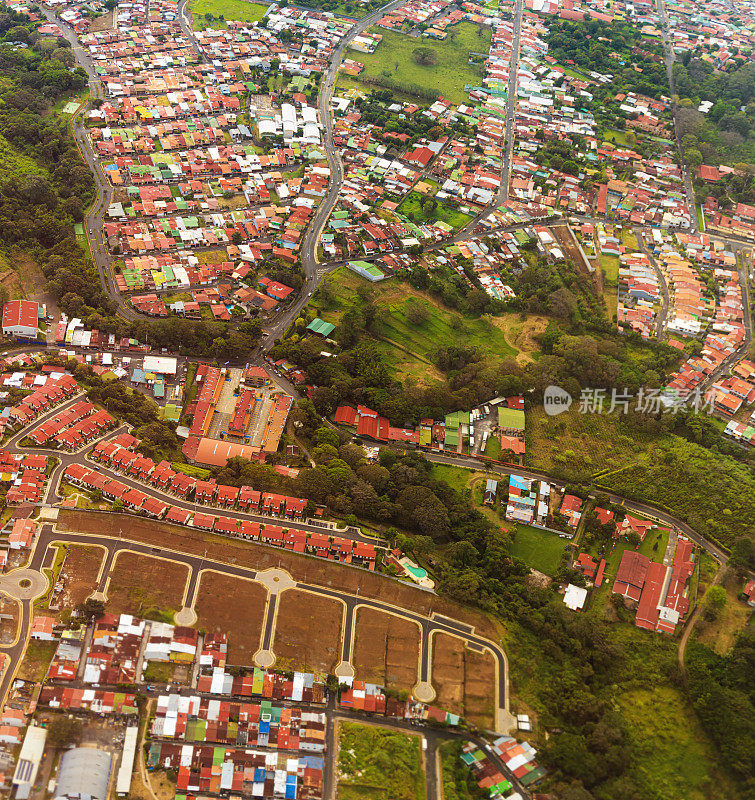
(711, 491)
(394, 65)
(411, 347)
(671, 756)
(675, 758)
(538, 549)
(222, 10)
(378, 763)
(415, 207)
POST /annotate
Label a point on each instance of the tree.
(63, 731)
(714, 602)
(417, 313)
(424, 56)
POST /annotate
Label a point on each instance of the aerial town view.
(377, 399)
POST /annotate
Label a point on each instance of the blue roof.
(519, 482)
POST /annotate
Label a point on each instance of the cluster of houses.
(46, 389)
(187, 727)
(533, 502)
(372, 699)
(73, 427)
(162, 135)
(209, 493)
(659, 592)
(204, 768)
(196, 718)
(548, 110)
(459, 432)
(519, 758)
(25, 475)
(696, 312)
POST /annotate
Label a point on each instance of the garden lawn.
(229, 9)
(393, 61)
(538, 549)
(378, 763)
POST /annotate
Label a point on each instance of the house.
(21, 319)
(630, 577)
(749, 593)
(571, 508)
(631, 524)
(22, 534)
(575, 597)
(42, 628)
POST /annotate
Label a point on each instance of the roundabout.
(24, 584)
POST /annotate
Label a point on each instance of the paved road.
(660, 321)
(14, 652)
(508, 144)
(670, 59)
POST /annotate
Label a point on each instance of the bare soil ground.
(302, 568)
(307, 631)
(139, 583)
(464, 680)
(78, 575)
(102, 23)
(521, 333)
(234, 607)
(386, 649)
(569, 248)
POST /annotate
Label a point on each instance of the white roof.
(574, 597)
(163, 364)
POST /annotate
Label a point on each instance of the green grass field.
(410, 347)
(229, 9)
(676, 759)
(411, 207)
(538, 549)
(393, 60)
(379, 764)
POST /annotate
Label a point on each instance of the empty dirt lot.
(386, 649)
(78, 575)
(463, 679)
(140, 584)
(235, 607)
(308, 631)
(258, 556)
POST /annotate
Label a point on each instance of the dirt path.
(693, 619)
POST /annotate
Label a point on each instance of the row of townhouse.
(74, 426)
(45, 397)
(334, 548)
